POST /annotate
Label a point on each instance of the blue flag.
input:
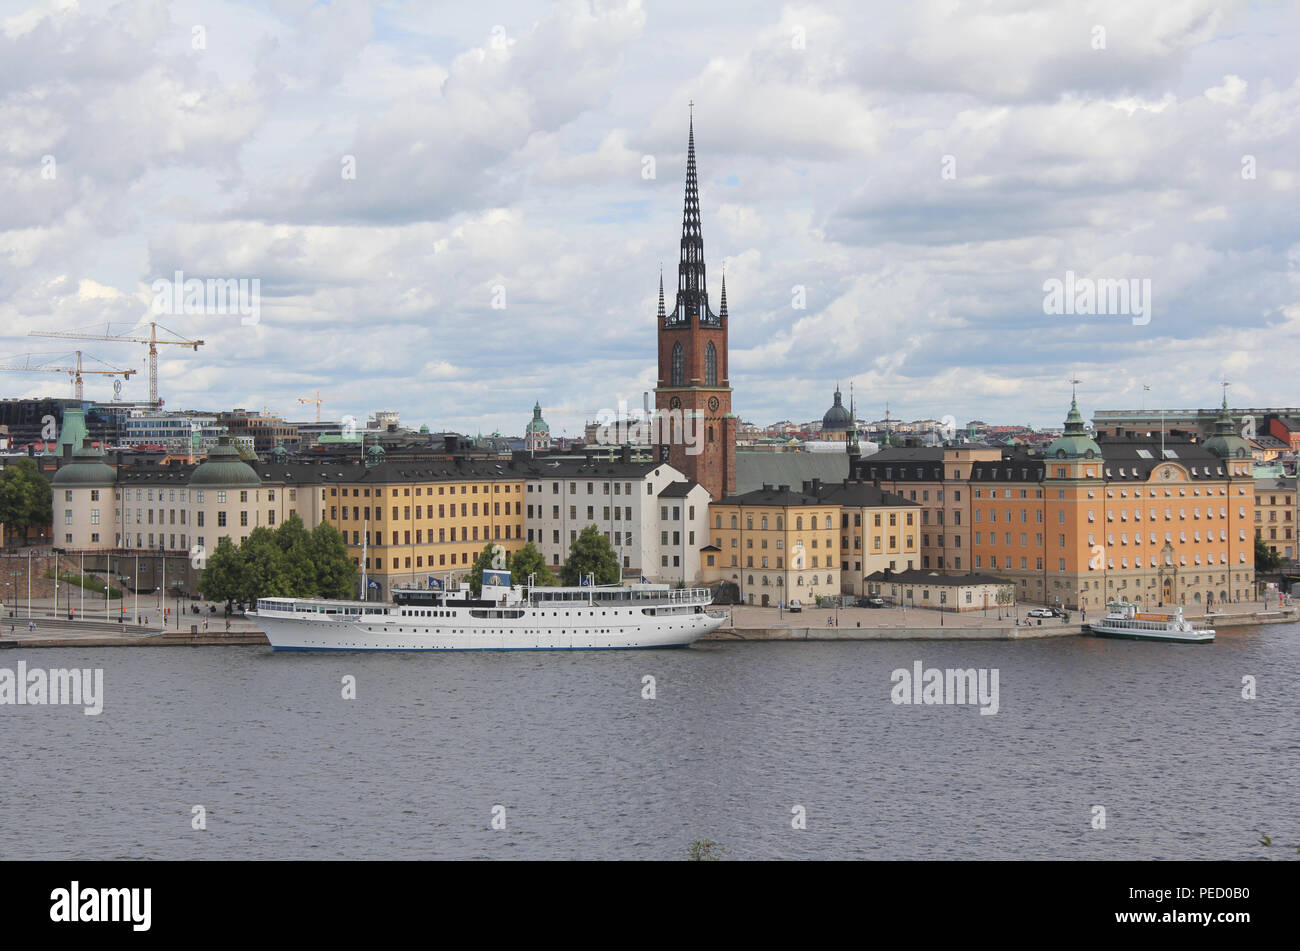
(374, 584)
(645, 580)
(435, 584)
(585, 581)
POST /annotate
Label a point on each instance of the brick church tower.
(693, 375)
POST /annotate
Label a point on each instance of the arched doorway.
(765, 604)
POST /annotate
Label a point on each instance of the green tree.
(294, 541)
(591, 554)
(529, 561)
(24, 497)
(483, 561)
(1265, 559)
(265, 568)
(335, 573)
(222, 578)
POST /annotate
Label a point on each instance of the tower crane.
(317, 401)
(75, 372)
(128, 337)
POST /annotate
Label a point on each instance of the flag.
(374, 585)
(586, 580)
(645, 580)
(435, 584)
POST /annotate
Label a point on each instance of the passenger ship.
(1124, 620)
(504, 617)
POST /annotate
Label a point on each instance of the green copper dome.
(1225, 443)
(537, 424)
(86, 468)
(1075, 443)
(225, 468)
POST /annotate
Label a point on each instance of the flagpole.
(365, 541)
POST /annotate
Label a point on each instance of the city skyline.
(483, 174)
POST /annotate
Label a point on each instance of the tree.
(25, 497)
(481, 563)
(265, 571)
(335, 573)
(1265, 558)
(294, 541)
(529, 561)
(591, 554)
(222, 578)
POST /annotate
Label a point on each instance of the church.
(693, 380)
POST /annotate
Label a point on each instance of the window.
(678, 366)
(710, 365)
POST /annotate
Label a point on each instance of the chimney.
(783, 488)
(817, 487)
(807, 487)
(626, 454)
(767, 487)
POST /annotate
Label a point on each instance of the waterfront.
(738, 734)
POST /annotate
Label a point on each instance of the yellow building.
(418, 520)
(878, 530)
(775, 545)
(1275, 515)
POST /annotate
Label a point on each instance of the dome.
(279, 455)
(1225, 443)
(224, 467)
(1075, 443)
(537, 424)
(837, 418)
(88, 468)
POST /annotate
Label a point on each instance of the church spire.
(661, 292)
(692, 289)
(722, 304)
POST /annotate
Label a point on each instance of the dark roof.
(773, 495)
(677, 490)
(583, 469)
(756, 469)
(861, 495)
(934, 579)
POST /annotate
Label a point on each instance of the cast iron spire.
(722, 304)
(692, 291)
(661, 292)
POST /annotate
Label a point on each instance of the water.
(738, 735)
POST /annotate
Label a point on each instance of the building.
(838, 421)
(537, 435)
(929, 589)
(879, 531)
(1199, 423)
(1276, 515)
(693, 395)
(651, 536)
(776, 545)
(1088, 520)
(267, 431)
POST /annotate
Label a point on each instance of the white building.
(655, 535)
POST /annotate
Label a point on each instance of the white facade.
(620, 499)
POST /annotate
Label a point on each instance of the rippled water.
(737, 735)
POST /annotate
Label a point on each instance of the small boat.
(1124, 620)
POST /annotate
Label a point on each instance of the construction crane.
(74, 372)
(317, 401)
(128, 337)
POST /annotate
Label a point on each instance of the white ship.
(503, 617)
(1124, 620)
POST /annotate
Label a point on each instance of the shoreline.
(94, 634)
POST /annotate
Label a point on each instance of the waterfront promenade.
(748, 623)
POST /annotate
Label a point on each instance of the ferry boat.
(504, 617)
(1124, 620)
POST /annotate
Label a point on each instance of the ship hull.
(293, 634)
(1197, 637)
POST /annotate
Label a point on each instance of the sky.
(454, 210)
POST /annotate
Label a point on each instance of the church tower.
(694, 389)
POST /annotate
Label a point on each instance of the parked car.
(871, 602)
(1041, 612)
(1056, 612)
(795, 605)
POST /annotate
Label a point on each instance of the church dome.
(1225, 443)
(837, 418)
(537, 424)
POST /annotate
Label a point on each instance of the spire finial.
(1225, 384)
